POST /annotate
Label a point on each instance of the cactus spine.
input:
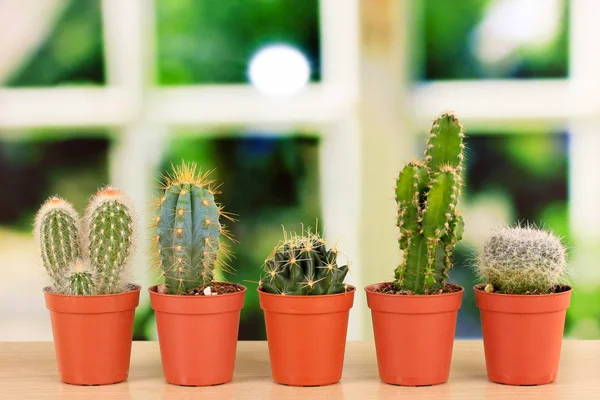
(103, 241)
(523, 259)
(427, 196)
(188, 231)
(302, 265)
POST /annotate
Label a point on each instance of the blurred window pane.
(268, 182)
(205, 41)
(70, 53)
(478, 39)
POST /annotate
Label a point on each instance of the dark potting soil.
(389, 289)
(215, 287)
(557, 289)
(218, 287)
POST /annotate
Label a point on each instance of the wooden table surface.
(28, 371)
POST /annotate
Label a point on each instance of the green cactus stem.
(427, 195)
(56, 231)
(189, 230)
(303, 265)
(110, 237)
(81, 281)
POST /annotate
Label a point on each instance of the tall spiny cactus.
(302, 265)
(188, 230)
(107, 231)
(109, 223)
(522, 259)
(427, 195)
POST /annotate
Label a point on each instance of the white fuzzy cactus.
(522, 259)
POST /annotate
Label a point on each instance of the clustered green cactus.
(89, 256)
(188, 231)
(302, 265)
(522, 259)
(427, 196)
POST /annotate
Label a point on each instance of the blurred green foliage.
(72, 53)
(208, 41)
(447, 41)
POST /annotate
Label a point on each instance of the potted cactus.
(414, 317)
(523, 304)
(305, 301)
(91, 305)
(197, 318)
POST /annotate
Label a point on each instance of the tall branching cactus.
(427, 195)
(189, 230)
(303, 265)
(86, 257)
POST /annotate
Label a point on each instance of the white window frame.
(356, 169)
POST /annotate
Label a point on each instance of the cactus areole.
(189, 230)
(427, 194)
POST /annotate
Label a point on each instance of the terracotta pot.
(197, 336)
(306, 336)
(92, 335)
(414, 335)
(522, 335)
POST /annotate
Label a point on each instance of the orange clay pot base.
(92, 335)
(293, 322)
(414, 334)
(195, 328)
(522, 335)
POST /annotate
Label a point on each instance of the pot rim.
(369, 289)
(154, 292)
(134, 287)
(316, 296)
(514, 295)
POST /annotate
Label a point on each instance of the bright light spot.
(279, 70)
(512, 24)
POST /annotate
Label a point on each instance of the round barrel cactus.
(522, 259)
(303, 265)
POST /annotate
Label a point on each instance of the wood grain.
(28, 371)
